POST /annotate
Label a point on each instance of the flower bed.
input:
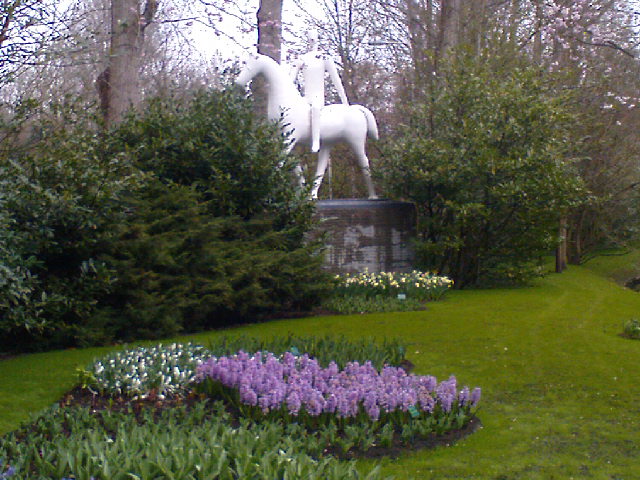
(414, 285)
(297, 388)
(275, 414)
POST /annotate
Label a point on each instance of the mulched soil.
(99, 403)
(121, 404)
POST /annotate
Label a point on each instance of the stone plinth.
(367, 234)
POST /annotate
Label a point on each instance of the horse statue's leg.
(300, 174)
(323, 161)
(298, 169)
(363, 163)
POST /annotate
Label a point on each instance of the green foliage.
(184, 217)
(217, 144)
(59, 195)
(484, 159)
(348, 304)
(179, 268)
(173, 444)
(324, 349)
(217, 235)
(632, 329)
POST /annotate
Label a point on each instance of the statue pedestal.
(367, 234)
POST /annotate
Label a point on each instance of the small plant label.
(402, 296)
(413, 411)
(295, 351)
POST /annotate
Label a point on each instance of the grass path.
(561, 389)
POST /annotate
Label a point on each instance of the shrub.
(216, 144)
(486, 160)
(180, 269)
(59, 196)
(217, 236)
(184, 217)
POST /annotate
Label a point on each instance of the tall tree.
(269, 18)
(270, 28)
(449, 27)
(119, 84)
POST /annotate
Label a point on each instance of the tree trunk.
(269, 44)
(561, 249)
(418, 43)
(270, 28)
(429, 25)
(416, 37)
(477, 16)
(119, 84)
(449, 28)
(514, 19)
(537, 39)
(574, 247)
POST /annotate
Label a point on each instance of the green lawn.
(561, 388)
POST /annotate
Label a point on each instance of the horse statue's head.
(250, 68)
(255, 64)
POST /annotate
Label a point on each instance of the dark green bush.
(184, 217)
(486, 160)
(179, 268)
(217, 235)
(217, 144)
(59, 197)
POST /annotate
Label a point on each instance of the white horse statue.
(349, 123)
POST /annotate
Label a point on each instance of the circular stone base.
(367, 234)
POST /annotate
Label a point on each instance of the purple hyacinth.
(463, 397)
(296, 383)
(475, 396)
(294, 403)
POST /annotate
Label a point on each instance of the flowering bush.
(416, 285)
(263, 385)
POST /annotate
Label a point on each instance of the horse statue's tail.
(372, 126)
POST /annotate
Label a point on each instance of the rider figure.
(314, 66)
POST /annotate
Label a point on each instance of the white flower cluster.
(164, 369)
(422, 285)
